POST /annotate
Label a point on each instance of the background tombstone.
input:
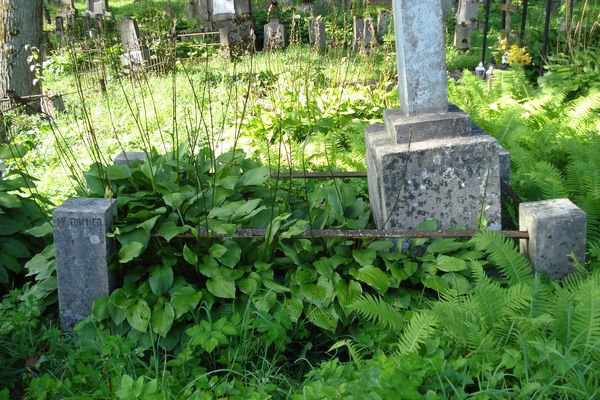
(358, 25)
(507, 9)
(82, 255)
(317, 34)
(59, 30)
(382, 25)
(425, 162)
(97, 7)
(53, 104)
(274, 35)
(135, 55)
(466, 16)
(369, 35)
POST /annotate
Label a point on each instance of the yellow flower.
(503, 44)
(518, 55)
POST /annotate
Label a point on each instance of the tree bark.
(20, 30)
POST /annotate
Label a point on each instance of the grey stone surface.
(358, 25)
(557, 230)
(82, 255)
(382, 25)
(274, 36)
(317, 34)
(129, 158)
(449, 179)
(97, 7)
(452, 122)
(135, 55)
(420, 52)
(369, 35)
(53, 104)
(2, 168)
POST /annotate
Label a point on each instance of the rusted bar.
(318, 175)
(198, 34)
(356, 234)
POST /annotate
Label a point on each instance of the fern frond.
(420, 328)
(504, 254)
(583, 109)
(586, 317)
(353, 349)
(378, 311)
(548, 179)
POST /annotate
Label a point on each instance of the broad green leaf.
(457, 282)
(118, 171)
(294, 309)
(185, 299)
(221, 287)
(364, 258)
(232, 256)
(41, 230)
(169, 230)
(374, 277)
(436, 283)
(217, 250)
(11, 151)
(9, 200)
(100, 308)
(347, 292)
(245, 209)
(189, 255)
(161, 279)
(162, 319)
(450, 264)
(138, 315)
(319, 294)
(174, 200)
(130, 251)
(275, 287)
(255, 177)
(445, 245)
(325, 318)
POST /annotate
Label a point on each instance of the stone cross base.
(433, 166)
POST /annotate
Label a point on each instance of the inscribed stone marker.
(82, 254)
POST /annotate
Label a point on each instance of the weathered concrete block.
(317, 34)
(419, 127)
(358, 25)
(274, 36)
(82, 255)
(129, 158)
(451, 180)
(369, 35)
(382, 25)
(557, 230)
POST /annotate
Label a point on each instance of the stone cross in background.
(427, 162)
(508, 9)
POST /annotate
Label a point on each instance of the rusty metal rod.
(355, 234)
(198, 34)
(318, 175)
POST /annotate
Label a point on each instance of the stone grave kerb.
(426, 161)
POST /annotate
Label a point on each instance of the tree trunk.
(20, 30)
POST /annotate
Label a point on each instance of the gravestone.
(274, 36)
(53, 104)
(426, 162)
(358, 26)
(86, 25)
(233, 19)
(317, 34)
(82, 255)
(466, 17)
(130, 158)
(369, 36)
(97, 7)
(59, 30)
(135, 55)
(382, 25)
